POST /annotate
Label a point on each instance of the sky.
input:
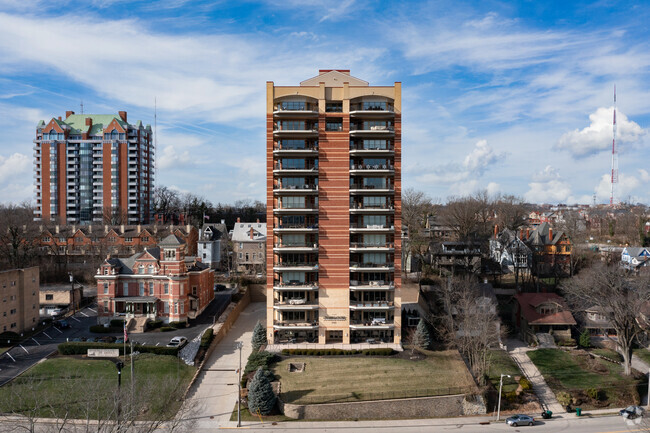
(512, 97)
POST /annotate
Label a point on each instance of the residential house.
(634, 258)
(213, 245)
(543, 313)
(249, 242)
(509, 250)
(19, 294)
(596, 320)
(160, 283)
(457, 255)
(551, 250)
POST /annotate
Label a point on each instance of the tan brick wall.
(19, 299)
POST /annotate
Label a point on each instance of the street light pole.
(74, 310)
(499, 402)
(239, 346)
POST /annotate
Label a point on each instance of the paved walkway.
(215, 391)
(518, 352)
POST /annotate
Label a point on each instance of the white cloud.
(481, 157)
(549, 173)
(472, 186)
(14, 166)
(629, 187)
(170, 157)
(597, 137)
(548, 187)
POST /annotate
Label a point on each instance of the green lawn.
(80, 387)
(575, 373)
(608, 353)
(502, 363)
(337, 379)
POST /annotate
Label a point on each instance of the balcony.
(307, 131)
(360, 208)
(297, 228)
(359, 188)
(295, 285)
(295, 266)
(372, 305)
(356, 286)
(372, 169)
(295, 304)
(379, 130)
(296, 210)
(372, 267)
(295, 325)
(374, 110)
(307, 169)
(295, 109)
(295, 189)
(377, 323)
(370, 247)
(371, 228)
(359, 149)
(298, 248)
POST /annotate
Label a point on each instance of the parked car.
(219, 287)
(108, 339)
(517, 420)
(177, 342)
(61, 324)
(632, 412)
(119, 340)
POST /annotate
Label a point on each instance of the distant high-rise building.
(92, 167)
(334, 211)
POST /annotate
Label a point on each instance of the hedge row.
(81, 348)
(154, 324)
(177, 325)
(338, 352)
(167, 329)
(262, 359)
(101, 329)
(117, 323)
(206, 338)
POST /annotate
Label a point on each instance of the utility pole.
(648, 402)
(239, 345)
(119, 365)
(132, 372)
(74, 309)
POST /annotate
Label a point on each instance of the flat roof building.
(19, 296)
(333, 211)
(93, 168)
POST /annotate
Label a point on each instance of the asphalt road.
(15, 361)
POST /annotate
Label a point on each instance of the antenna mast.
(614, 154)
(155, 135)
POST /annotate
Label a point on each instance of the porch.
(136, 306)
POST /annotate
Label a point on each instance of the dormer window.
(141, 269)
(151, 269)
(170, 254)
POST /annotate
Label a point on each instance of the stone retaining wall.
(424, 407)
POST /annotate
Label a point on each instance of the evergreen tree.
(585, 339)
(259, 337)
(422, 338)
(260, 394)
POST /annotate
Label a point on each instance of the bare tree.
(165, 200)
(575, 227)
(466, 216)
(511, 212)
(17, 233)
(467, 320)
(621, 296)
(114, 216)
(416, 208)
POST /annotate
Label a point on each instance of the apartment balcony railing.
(295, 325)
(305, 247)
(361, 188)
(295, 304)
(372, 167)
(295, 188)
(381, 108)
(356, 285)
(297, 227)
(358, 205)
(295, 264)
(377, 129)
(371, 305)
(377, 323)
(306, 168)
(369, 227)
(307, 129)
(309, 149)
(371, 246)
(295, 109)
(295, 285)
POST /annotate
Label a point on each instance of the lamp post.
(499, 403)
(74, 309)
(239, 346)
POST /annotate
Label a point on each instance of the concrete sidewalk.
(215, 392)
(518, 352)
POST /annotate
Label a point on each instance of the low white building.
(212, 245)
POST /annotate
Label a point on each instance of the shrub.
(9, 338)
(259, 336)
(166, 329)
(567, 343)
(511, 396)
(206, 338)
(154, 324)
(81, 348)
(178, 325)
(594, 393)
(117, 323)
(261, 398)
(338, 352)
(259, 359)
(525, 384)
(564, 398)
(585, 339)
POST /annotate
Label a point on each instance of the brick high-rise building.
(333, 210)
(90, 167)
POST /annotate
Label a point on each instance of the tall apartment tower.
(333, 153)
(93, 168)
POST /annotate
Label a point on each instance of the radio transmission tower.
(614, 154)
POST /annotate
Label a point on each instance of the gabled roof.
(636, 252)
(171, 241)
(241, 232)
(334, 78)
(529, 301)
(540, 236)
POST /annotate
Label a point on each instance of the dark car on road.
(517, 420)
(219, 287)
(61, 324)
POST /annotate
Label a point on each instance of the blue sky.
(512, 97)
